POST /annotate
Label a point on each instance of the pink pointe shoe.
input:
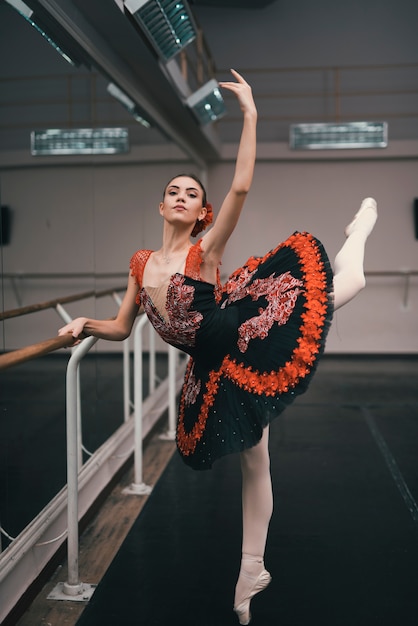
(259, 584)
(365, 218)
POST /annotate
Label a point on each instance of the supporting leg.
(348, 267)
(257, 496)
(257, 508)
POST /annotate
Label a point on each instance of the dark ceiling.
(306, 62)
(233, 4)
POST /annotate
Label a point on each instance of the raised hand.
(243, 92)
(215, 240)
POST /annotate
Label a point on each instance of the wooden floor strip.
(100, 541)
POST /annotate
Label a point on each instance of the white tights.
(257, 509)
(348, 265)
(257, 494)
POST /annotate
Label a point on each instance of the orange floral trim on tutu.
(298, 367)
(187, 442)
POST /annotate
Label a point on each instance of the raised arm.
(215, 240)
(114, 330)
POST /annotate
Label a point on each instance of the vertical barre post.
(126, 380)
(126, 370)
(138, 486)
(172, 360)
(152, 363)
(138, 400)
(173, 364)
(73, 586)
(406, 290)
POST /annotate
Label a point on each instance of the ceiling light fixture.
(27, 13)
(128, 104)
(339, 136)
(168, 24)
(207, 103)
(55, 141)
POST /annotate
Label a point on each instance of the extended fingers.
(69, 329)
(63, 330)
(242, 91)
(239, 87)
(232, 84)
(238, 76)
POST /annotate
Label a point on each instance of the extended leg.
(257, 508)
(257, 496)
(348, 267)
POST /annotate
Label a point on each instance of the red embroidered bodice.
(171, 307)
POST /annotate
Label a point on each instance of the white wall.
(91, 218)
(321, 197)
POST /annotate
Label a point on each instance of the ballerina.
(254, 343)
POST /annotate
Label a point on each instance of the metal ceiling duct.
(109, 41)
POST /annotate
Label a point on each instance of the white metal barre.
(73, 588)
(127, 404)
(138, 487)
(170, 435)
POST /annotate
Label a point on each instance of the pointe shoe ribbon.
(243, 608)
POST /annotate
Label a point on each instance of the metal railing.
(61, 516)
(406, 275)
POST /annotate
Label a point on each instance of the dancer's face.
(183, 201)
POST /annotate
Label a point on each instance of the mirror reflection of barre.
(73, 58)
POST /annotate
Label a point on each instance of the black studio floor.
(33, 427)
(343, 542)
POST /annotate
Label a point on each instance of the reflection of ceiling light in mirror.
(168, 24)
(207, 103)
(27, 13)
(128, 104)
(339, 136)
(55, 141)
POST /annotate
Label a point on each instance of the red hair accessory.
(204, 223)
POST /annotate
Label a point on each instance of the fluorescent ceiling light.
(207, 103)
(168, 24)
(27, 13)
(54, 141)
(127, 103)
(339, 136)
(21, 7)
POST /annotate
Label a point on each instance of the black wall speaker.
(416, 217)
(5, 225)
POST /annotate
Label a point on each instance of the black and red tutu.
(254, 343)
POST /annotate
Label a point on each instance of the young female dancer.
(254, 343)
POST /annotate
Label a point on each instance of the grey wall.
(74, 216)
(91, 218)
